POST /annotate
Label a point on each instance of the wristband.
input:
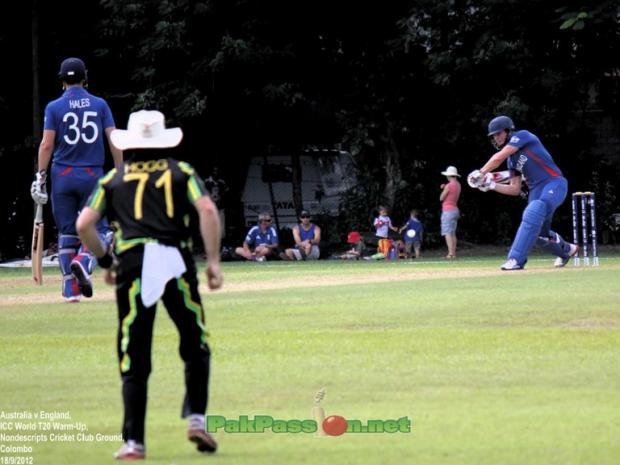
(106, 261)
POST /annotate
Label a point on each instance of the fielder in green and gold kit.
(148, 201)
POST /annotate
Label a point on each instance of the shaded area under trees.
(407, 87)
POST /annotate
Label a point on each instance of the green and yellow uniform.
(150, 201)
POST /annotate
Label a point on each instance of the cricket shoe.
(131, 450)
(203, 440)
(74, 299)
(560, 262)
(511, 265)
(83, 278)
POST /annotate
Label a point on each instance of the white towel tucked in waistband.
(160, 264)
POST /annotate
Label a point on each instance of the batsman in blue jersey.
(527, 160)
(73, 140)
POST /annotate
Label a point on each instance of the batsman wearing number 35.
(149, 200)
(74, 129)
(527, 160)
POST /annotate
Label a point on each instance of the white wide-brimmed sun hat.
(451, 171)
(146, 129)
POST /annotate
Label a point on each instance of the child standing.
(382, 224)
(413, 234)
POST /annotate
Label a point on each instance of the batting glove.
(38, 189)
(487, 183)
(475, 178)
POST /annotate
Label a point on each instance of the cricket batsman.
(74, 130)
(528, 160)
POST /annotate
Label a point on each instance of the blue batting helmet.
(72, 70)
(499, 124)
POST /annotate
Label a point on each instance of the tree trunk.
(297, 195)
(272, 197)
(393, 173)
(36, 93)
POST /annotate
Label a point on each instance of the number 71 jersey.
(79, 120)
(149, 201)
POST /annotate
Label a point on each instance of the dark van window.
(277, 173)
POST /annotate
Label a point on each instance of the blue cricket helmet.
(499, 124)
(72, 70)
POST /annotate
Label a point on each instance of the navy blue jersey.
(80, 120)
(256, 237)
(414, 225)
(532, 159)
(306, 235)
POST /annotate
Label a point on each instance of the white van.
(325, 176)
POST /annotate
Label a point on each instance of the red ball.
(335, 425)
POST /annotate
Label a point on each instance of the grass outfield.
(491, 367)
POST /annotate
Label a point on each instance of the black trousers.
(135, 335)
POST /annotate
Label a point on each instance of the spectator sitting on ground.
(261, 240)
(357, 247)
(307, 237)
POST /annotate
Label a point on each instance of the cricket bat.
(38, 232)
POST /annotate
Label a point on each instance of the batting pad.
(533, 219)
(554, 244)
(68, 246)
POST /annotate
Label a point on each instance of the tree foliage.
(407, 87)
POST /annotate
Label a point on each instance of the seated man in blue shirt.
(307, 237)
(261, 240)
